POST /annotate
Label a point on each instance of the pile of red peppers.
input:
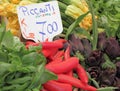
(63, 65)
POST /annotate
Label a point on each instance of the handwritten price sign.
(40, 21)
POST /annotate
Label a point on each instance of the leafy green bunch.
(21, 69)
(108, 12)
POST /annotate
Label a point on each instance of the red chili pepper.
(60, 41)
(46, 52)
(56, 61)
(63, 67)
(58, 54)
(74, 82)
(54, 44)
(29, 42)
(67, 53)
(90, 88)
(70, 80)
(82, 73)
(46, 45)
(70, 73)
(56, 86)
(66, 56)
(49, 52)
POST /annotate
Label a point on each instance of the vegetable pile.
(84, 57)
(63, 65)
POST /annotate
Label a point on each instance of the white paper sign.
(40, 21)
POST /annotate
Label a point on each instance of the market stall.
(60, 45)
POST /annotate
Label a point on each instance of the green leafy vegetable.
(47, 76)
(108, 12)
(21, 69)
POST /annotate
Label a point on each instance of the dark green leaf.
(3, 56)
(14, 59)
(47, 75)
(16, 87)
(33, 58)
(35, 48)
(10, 88)
(26, 69)
(4, 68)
(18, 46)
(37, 76)
(21, 80)
(7, 40)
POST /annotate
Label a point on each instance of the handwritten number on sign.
(42, 32)
(51, 28)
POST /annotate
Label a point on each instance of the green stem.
(94, 27)
(2, 30)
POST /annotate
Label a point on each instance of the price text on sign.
(40, 21)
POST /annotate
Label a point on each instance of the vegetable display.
(84, 57)
(63, 68)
